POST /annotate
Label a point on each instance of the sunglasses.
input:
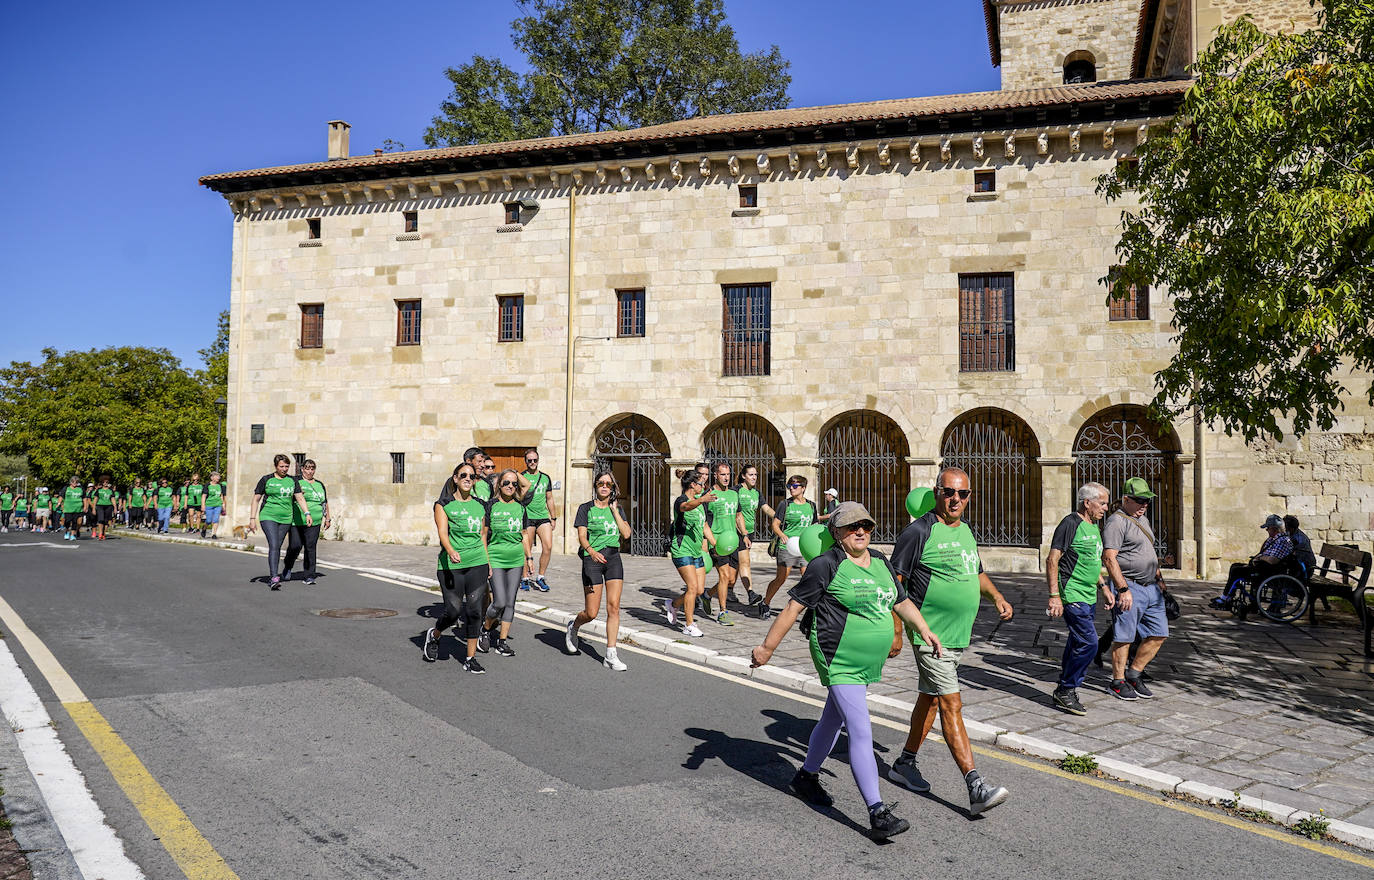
(467, 475)
(509, 483)
(859, 527)
(531, 461)
(950, 492)
(1138, 500)
(606, 483)
(794, 485)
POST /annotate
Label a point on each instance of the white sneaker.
(570, 638)
(670, 612)
(612, 661)
(691, 629)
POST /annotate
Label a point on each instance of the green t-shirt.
(465, 521)
(21, 504)
(1080, 566)
(796, 516)
(104, 496)
(851, 619)
(722, 512)
(6, 501)
(136, 496)
(749, 506)
(43, 501)
(151, 496)
(315, 497)
(195, 494)
(602, 532)
(164, 496)
(278, 498)
(941, 567)
(537, 499)
(73, 499)
(214, 495)
(506, 530)
(689, 529)
(481, 489)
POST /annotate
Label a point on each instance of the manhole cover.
(358, 613)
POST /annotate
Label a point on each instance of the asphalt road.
(308, 747)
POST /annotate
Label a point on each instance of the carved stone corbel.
(484, 184)
(506, 182)
(1042, 143)
(625, 173)
(255, 204)
(530, 179)
(675, 169)
(822, 158)
(762, 163)
(553, 177)
(793, 161)
(914, 152)
(884, 154)
(851, 155)
(577, 177)
(276, 200)
(414, 193)
(436, 189)
(946, 149)
(704, 167)
(1108, 137)
(1142, 134)
(1009, 146)
(733, 164)
(649, 172)
(601, 175)
(347, 196)
(978, 147)
(302, 199)
(324, 197)
(1076, 141)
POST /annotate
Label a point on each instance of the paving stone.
(1193, 748)
(1297, 762)
(1259, 773)
(1141, 753)
(1205, 775)
(1299, 800)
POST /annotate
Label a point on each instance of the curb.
(886, 707)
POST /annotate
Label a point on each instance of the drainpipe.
(568, 375)
(1200, 492)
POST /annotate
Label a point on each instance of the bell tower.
(1043, 43)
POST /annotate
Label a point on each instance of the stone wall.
(1038, 35)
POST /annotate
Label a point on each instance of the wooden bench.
(1344, 573)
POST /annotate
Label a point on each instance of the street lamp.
(220, 405)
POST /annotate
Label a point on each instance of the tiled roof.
(994, 33)
(731, 124)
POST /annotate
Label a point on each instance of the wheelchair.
(1281, 596)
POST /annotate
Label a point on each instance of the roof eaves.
(1143, 29)
(994, 32)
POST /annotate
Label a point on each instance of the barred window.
(512, 213)
(747, 329)
(629, 312)
(987, 323)
(511, 324)
(407, 322)
(312, 228)
(300, 461)
(985, 181)
(412, 220)
(398, 467)
(312, 325)
(1134, 307)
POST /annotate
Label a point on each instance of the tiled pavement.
(1281, 713)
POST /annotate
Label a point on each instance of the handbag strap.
(1136, 522)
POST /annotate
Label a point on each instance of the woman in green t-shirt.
(748, 492)
(6, 507)
(306, 537)
(600, 529)
(274, 499)
(461, 520)
(689, 530)
(506, 518)
(789, 521)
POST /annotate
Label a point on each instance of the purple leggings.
(847, 707)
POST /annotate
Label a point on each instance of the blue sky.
(114, 110)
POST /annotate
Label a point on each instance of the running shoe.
(807, 786)
(704, 605)
(883, 823)
(762, 610)
(276, 582)
(310, 581)
(542, 584)
(983, 797)
(613, 660)
(725, 619)
(471, 665)
(430, 649)
(525, 584)
(752, 598)
(691, 629)
(906, 773)
(484, 641)
(1140, 689)
(670, 612)
(1122, 691)
(1067, 699)
(570, 638)
(504, 649)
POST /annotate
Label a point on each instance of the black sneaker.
(807, 786)
(704, 606)
(430, 649)
(1121, 690)
(752, 598)
(504, 649)
(883, 823)
(484, 641)
(471, 665)
(1067, 699)
(1140, 689)
(907, 773)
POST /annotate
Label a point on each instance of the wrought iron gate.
(863, 455)
(634, 450)
(1118, 444)
(745, 439)
(997, 450)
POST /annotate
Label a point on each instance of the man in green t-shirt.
(73, 507)
(540, 515)
(727, 528)
(1073, 571)
(937, 559)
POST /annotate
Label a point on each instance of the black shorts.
(103, 513)
(536, 523)
(72, 520)
(730, 559)
(135, 515)
(594, 572)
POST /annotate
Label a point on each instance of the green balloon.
(815, 540)
(727, 542)
(919, 502)
(706, 555)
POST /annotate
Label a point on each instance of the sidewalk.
(1279, 713)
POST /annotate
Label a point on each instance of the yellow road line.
(195, 856)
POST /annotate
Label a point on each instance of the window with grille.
(629, 312)
(412, 219)
(407, 322)
(312, 228)
(300, 461)
(746, 331)
(255, 433)
(511, 310)
(398, 467)
(1134, 307)
(748, 195)
(987, 323)
(312, 325)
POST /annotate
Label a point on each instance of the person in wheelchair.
(1273, 558)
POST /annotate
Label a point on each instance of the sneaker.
(471, 665)
(983, 797)
(1140, 689)
(570, 638)
(883, 823)
(725, 619)
(504, 649)
(691, 629)
(670, 612)
(542, 584)
(525, 584)
(430, 649)
(276, 582)
(752, 598)
(1121, 690)
(704, 605)
(1067, 699)
(613, 661)
(1220, 602)
(807, 786)
(484, 641)
(907, 774)
(310, 581)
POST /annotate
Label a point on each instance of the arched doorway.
(863, 455)
(1121, 442)
(746, 439)
(998, 451)
(634, 449)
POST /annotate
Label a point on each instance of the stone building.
(856, 293)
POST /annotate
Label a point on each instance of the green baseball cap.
(1138, 488)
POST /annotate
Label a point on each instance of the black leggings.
(5, 517)
(463, 591)
(307, 537)
(275, 533)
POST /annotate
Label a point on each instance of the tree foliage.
(1257, 211)
(215, 376)
(595, 65)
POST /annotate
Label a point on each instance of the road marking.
(41, 544)
(194, 854)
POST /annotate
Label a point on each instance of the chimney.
(338, 139)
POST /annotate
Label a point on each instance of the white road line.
(41, 544)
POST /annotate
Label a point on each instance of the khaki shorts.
(936, 675)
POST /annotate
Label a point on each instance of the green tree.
(595, 65)
(1257, 213)
(215, 376)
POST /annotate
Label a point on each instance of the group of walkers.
(97, 505)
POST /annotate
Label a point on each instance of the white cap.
(833, 491)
